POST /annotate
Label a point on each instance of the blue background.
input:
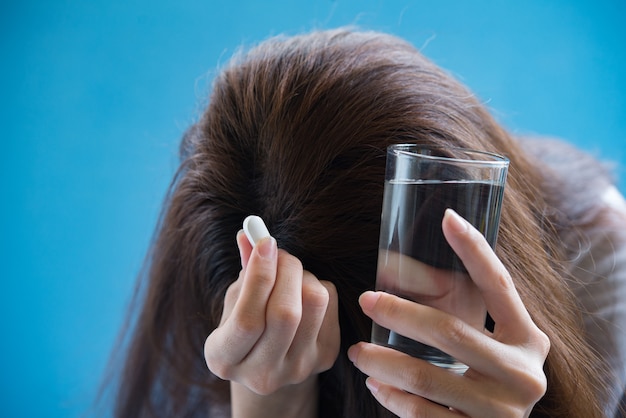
(95, 96)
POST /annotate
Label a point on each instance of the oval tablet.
(255, 229)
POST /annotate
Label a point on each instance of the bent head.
(296, 132)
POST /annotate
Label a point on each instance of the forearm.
(290, 401)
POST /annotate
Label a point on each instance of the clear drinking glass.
(414, 259)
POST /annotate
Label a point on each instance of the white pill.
(255, 229)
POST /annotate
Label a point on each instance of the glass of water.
(414, 259)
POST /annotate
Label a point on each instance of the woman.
(296, 132)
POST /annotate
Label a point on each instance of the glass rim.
(411, 150)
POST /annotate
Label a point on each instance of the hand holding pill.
(279, 325)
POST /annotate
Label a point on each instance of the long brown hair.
(296, 131)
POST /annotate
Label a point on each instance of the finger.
(438, 329)
(232, 293)
(521, 366)
(329, 338)
(283, 312)
(317, 339)
(245, 248)
(314, 303)
(230, 298)
(404, 404)
(501, 298)
(476, 397)
(396, 375)
(233, 341)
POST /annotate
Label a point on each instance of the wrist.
(299, 400)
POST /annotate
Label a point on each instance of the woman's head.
(296, 132)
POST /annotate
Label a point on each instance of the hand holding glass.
(414, 260)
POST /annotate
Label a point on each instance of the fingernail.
(267, 247)
(457, 223)
(368, 299)
(372, 384)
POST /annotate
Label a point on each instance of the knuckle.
(416, 410)
(538, 388)
(502, 282)
(217, 365)
(531, 384)
(475, 241)
(417, 380)
(542, 343)
(504, 279)
(314, 294)
(284, 315)
(532, 391)
(221, 370)
(452, 331)
(244, 326)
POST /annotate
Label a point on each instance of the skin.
(279, 329)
